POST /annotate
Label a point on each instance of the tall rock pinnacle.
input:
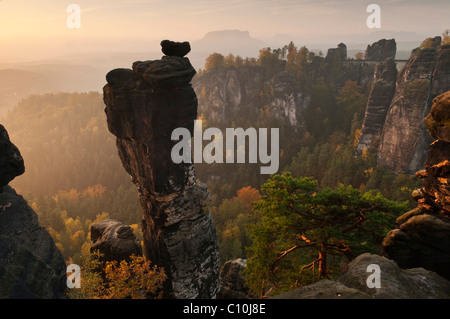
(143, 106)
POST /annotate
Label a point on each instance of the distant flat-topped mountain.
(225, 41)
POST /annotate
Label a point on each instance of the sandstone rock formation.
(235, 92)
(340, 51)
(30, 264)
(233, 281)
(171, 48)
(226, 93)
(396, 283)
(114, 240)
(11, 162)
(143, 106)
(422, 236)
(403, 147)
(381, 50)
(381, 93)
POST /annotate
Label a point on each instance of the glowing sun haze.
(39, 27)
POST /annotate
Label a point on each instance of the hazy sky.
(31, 26)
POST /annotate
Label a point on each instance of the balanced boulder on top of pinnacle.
(171, 48)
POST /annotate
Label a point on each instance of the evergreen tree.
(302, 227)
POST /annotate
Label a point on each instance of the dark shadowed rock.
(115, 240)
(422, 240)
(168, 72)
(340, 52)
(11, 162)
(143, 107)
(171, 48)
(30, 264)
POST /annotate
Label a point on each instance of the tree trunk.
(323, 261)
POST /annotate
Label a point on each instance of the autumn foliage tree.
(304, 228)
(133, 279)
(214, 61)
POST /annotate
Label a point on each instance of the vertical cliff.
(143, 106)
(380, 96)
(404, 139)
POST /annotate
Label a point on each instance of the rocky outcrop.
(381, 93)
(422, 236)
(381, 50)
(114, 240)
(233, 281)
(143, 106)
(340, 52)
(11, 161)
(395, 283)
(30, 264)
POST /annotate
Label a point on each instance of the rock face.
(233, 281)
(236, 92)
(403, 147)
(395, 283)
(381, 50)
(422, 236)
(230, 92)
(115, 240)
(381, 93)
(143, 106)
(441, 76)
(30, 264)
(11, 162)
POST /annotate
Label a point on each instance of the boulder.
(395, 283)
(422, 240)
(171, 48)
(114, 240)
(233, 281)
(323, 289)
